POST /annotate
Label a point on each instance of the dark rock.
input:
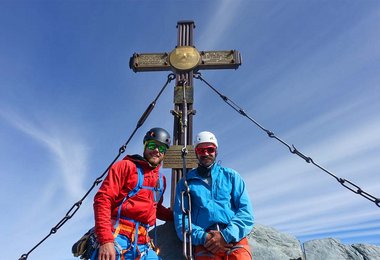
(167, 241)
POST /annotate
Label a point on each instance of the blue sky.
(68, 101)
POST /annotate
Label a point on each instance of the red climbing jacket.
(141, 207)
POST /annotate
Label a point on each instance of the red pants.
(240, 251)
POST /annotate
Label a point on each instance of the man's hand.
(107, 252)
(215, 242)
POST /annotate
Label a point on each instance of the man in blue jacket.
(221, 210)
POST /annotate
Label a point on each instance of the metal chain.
(186, 212)
(344, 182)
(71, 212)
(186, 232)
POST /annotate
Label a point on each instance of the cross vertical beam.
(183, 79)
(184, 60)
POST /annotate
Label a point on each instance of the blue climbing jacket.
(225, 203)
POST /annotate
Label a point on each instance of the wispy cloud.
(220, 21)
(68, 152)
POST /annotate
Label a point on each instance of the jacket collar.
(193, 174)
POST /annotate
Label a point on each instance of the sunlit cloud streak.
(68, 153)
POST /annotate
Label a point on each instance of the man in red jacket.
(129, 200)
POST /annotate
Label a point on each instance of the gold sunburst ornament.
(184, 58)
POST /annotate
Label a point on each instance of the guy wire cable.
(71, 212)
(344, 182)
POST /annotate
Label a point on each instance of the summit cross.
(184, 61)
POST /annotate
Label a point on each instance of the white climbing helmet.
(205, 137)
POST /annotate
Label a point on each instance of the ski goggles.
(152, 145)
(204, 150)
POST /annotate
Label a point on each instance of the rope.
(292, 149)
(71, 212)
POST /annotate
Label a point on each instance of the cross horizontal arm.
(208, 60)
(149, 62)
(219, 60)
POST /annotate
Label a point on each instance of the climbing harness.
(344, 182)
(71, 212)
(85, 247)
(137, 229)
(185, 195)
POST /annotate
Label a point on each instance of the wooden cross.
(184, 60)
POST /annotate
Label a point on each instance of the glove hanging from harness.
(86, 245)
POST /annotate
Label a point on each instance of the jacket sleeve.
(242, 223)
(163, 213)
(198, 234)
(106, 199)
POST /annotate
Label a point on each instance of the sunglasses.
(152, 145)
(205, 150)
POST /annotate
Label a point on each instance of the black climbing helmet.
(158, 134)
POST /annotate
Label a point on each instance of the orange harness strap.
(133, 236)
(130, 230)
